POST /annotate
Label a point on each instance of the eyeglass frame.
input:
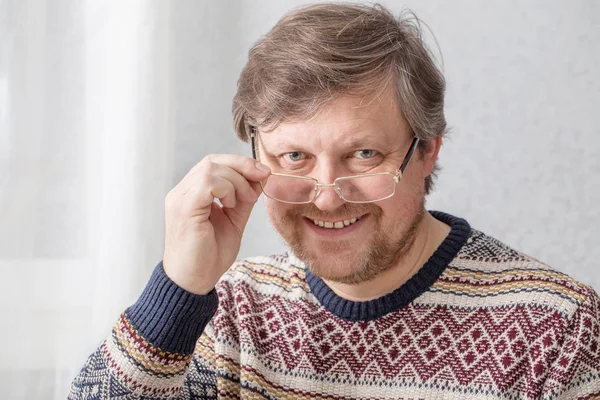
(397, 176)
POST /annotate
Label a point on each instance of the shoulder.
(251, 287)
(498, 275)
(279, 274)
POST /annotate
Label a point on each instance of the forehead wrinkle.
(292, 137)
(337, 140)
(347, 122)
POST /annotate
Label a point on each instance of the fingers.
(249, 168)
(223, 190)
(230, 178)
(202, 238)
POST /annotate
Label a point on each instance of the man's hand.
(202, 238)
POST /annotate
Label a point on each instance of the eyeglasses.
(365, 188)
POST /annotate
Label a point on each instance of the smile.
(335, 225)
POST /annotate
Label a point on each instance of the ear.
(429, 155)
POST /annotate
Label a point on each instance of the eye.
(293, 156)
(365, 153)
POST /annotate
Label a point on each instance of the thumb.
(239, 215)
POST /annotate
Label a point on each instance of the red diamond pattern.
(510, 348)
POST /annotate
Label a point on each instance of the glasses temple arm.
(409, 154)
(252, 135)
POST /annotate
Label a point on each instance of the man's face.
(351, 136)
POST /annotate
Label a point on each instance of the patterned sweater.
(478, 321)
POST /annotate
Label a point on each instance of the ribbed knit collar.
(410, 290)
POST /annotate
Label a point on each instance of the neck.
(430, 234)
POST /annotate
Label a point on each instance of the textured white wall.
(522, 162)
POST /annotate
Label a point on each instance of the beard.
(340, 261)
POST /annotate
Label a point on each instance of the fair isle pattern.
(496, 324)
(135, 367)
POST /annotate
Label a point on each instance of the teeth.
(336, 225)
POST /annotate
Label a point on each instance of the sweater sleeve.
(150, 349)
(575, 372)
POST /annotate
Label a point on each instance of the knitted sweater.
(478, 321)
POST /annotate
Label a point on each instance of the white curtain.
(85, 163)
(105, 104)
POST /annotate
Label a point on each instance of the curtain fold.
(84, 107)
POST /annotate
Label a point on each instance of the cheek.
(270, 206)
(412, 184)
(407, 197)
(417, 170)
(391, 209)
(275, 209)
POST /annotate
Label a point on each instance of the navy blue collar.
(410, 290)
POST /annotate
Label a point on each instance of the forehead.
(348, 121)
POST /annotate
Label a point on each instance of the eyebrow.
(353, 143)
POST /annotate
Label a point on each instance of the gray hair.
(318, 52)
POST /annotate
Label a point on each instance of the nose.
(328, 199)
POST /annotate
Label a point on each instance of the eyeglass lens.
(355, 189)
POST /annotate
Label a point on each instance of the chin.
(348, 275)
(345, 265)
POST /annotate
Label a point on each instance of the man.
(377, 297)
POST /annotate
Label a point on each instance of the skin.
(396, 236)
(350, 136)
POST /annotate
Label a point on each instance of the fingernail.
(262, 167)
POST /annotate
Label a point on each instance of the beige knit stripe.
(258, 381)
(274, 275)
(248, 394)
(124, 325)
(529, 300)
(499, 265)
(270, 287)
(387, 390)
(485, 275)
(508, 286)
(151, 362)
(496, 295)
(228, 389)
(267, 263)
(284, 267)
(141, 377)
(205, 349)
(273, 268)
(492, 296)
(576, 389)
(162, 362)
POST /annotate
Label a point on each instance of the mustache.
(345, 211)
